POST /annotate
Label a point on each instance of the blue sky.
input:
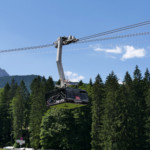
(36, 22)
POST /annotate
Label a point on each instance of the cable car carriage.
(63, 93)
(69, 95)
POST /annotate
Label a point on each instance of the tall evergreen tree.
(49, 84)
(7, 96)
(97, 110)
(110, 120)
(147, 124)
(80, 83)
(58, 82)
(13, 89)
(129, 112)
(38, 107)
(128, 80)
(80, 138)
(20, 111)
(5, 131)
(146, 82)
(90, 82)
(89, 90)
(147, 111)
(12, 92)
(111, 82)
(140, 109)
(126, 121)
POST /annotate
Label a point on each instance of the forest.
(117, 116)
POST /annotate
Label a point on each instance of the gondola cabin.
(70, 95)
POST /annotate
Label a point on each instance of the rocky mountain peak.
(3, 73)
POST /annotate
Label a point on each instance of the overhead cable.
(86, 39)
(79, 42)
(26, 48)
(115, 37)
(116, 30)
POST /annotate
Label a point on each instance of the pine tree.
(89, 90)
(147, 124)
(110, 118)
(90, 82)
(97, 110)
(126, 116)
(130, 112)
(38, 107)
(140, 109)
(80, 83)
(7, 96)
(13, 88)
(147, 111)
(81, 137)
(146, 82)
(111, 82)
(49, 84)
(5, 131)
(20, 112)
(12, 92)
(58, 82)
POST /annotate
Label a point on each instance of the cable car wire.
(115, 37)
(116, 30)
(26, 48)
(79, 42)
(86, 39)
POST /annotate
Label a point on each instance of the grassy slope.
(68, 106)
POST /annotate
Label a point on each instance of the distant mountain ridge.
(26, 78)
(3, 73)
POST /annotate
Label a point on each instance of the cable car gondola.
(64, 93)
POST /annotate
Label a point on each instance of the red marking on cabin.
(77, 98)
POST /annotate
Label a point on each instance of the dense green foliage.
(4, 116)
(38, 107)
(117, 116)
(97, 111)
(20, 110)
(66, 129)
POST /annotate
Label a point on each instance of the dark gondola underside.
(66, 95)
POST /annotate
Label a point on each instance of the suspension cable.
(26, 48)
(116, 30)
(115, 37)
(79, 42)
(85, 39)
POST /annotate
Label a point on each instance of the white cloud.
(131, 52)
(127, 51)
(116, 50)
(73, 77)
(120, 82)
